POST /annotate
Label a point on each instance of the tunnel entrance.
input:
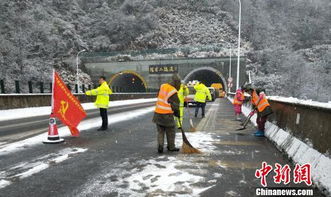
(128, 81)
(207, 75)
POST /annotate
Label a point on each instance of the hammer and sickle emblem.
(63, 109)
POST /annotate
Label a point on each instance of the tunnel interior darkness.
(208, 77)
(127, 82)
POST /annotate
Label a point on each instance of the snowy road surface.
(124, 162)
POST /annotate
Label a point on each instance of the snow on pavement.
(26, 169)
(164, 175)
(64, 131)
(11, 114)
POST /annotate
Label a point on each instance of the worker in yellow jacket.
(202, 93)
(102, 92)
(182, 93)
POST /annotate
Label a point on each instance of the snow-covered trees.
(286, 38)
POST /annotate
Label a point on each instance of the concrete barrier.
(11, 101)
(300, 129)
(309, 123)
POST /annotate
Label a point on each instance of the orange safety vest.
(261, 104)
(162, 105)
(240, 95)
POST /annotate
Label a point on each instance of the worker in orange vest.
(167, 106)
(238, 101)
(261, 106)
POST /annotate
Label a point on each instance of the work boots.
(160, 149)
(173, 149)
(259, 133)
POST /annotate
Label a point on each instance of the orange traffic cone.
(53, 135)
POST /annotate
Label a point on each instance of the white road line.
(22, 124)
(6, 139)
(64, 131)
(26, 169)
(19, 113)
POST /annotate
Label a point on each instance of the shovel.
(245, 122)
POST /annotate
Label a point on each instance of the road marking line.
(27, 169)
(64, 131)
(6, 139)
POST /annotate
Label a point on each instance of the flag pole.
(53, 134)
(52, 99)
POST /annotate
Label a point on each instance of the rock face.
(277, 36)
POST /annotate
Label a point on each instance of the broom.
(187, 147)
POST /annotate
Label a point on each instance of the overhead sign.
(163, 69)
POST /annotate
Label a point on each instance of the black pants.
(202, 106)
(104, 117)
(169, 132)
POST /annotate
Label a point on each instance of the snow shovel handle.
(247, 119)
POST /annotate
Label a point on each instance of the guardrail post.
(68, 86)
(41, 87)
(89, 86)
(50, 87)
(17, 86)
(76, 88)
(2, 86)
(83, 88)
(30, 87)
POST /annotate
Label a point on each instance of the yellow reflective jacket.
(102, 93)
(182, 92)
(201, 93)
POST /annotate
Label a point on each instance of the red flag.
(66, 106)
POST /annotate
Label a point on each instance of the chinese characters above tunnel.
(163, 69)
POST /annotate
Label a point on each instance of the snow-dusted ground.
(157, 176)
(296, 149)
(39, 111)
(165, 175)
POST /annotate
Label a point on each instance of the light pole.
(230, 65)
(238, 61)
(77, 77)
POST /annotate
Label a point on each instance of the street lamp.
(77, 59)
(238, 61)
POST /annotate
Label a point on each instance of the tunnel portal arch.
(128, 81)
(207, 75)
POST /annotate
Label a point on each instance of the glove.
(252, 113)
